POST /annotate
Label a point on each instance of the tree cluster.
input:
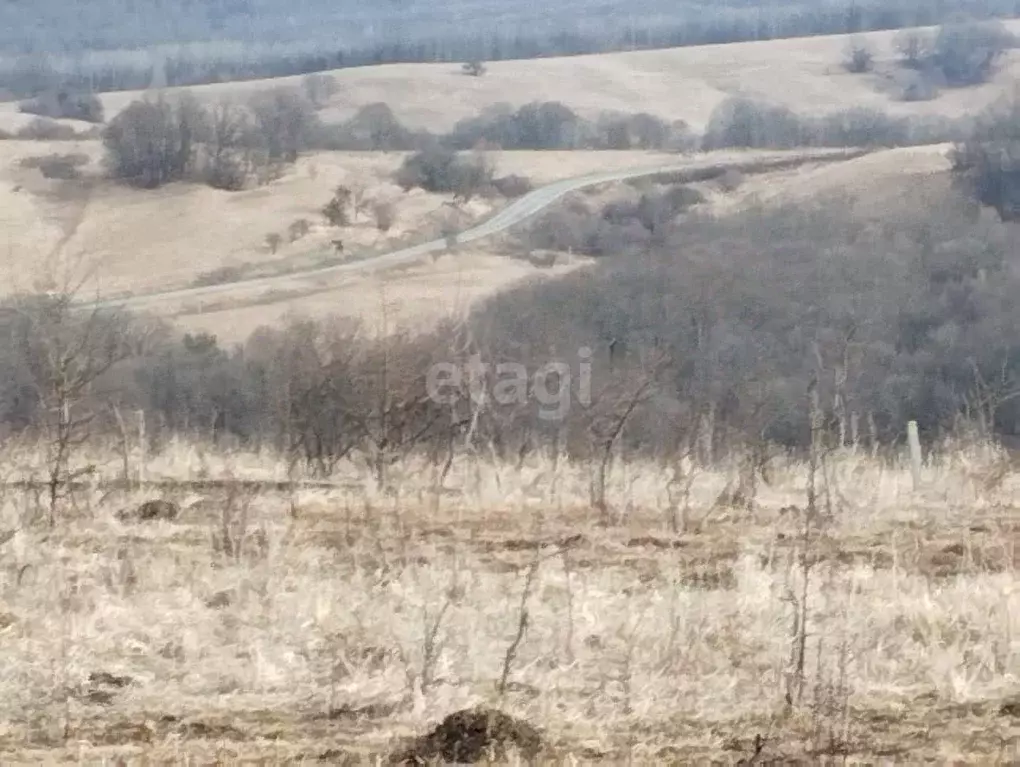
(552, 125)
(157, 141)
(743, 122)
(988, 163)
(959, 54)
(730, 319)
(63, 103)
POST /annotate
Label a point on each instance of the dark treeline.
(28, 75)
(228, 145)
(886, 312)
(728, 322)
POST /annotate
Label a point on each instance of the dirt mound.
(473, 735)
(151, 511)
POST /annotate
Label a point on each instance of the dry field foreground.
(333, 623)
(805, 74)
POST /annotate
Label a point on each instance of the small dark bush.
(539, 125)
(298, 229)
(859, 59)
(920, 85)
(65, 104)
(57, 166)
(741, 122)
(42, 129)
(512, 185)
(744, 123)
(385, 215)
(914, 47)
(968, 53)
(442, 170)
(373, 128)
(988, 163)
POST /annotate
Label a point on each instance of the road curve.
(516, 212)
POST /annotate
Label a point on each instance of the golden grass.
(416, 298)
(805, 74)
(640, 645)
(880, 184)
(140, 241)
(137, 241)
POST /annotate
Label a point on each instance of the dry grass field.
(182, 235)
(415, 297)
(129, 241)
(333, 623)
(281, 620)
(879, 184)
(140, 241)
(805, 74)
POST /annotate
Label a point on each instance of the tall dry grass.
(261, 610)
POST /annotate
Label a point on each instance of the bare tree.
(286, 122)
(298, 229)
(914, 46)
(385, 215)
(336, 211)
(358, 196)
(231, 154)
(66, 350)
(143, 144)
(319, 88)
(611, 409)
(859, 58)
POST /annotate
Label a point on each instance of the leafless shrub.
(298, 229)
(337, 210)
(285, 123)
(153, 142)
(859, 58)
(512, 185)
(63, 103)
(731, 180)
(57, 166)
(319, 88)
(920, 85)
(385, 215)
(220, 276)
(65, 353)
(42, 129)
(914, 47)
(441, 170)
(968, 53)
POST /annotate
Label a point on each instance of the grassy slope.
(683, 83)
(141, 241)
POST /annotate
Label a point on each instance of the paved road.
(518, 211)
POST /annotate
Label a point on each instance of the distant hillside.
(128, 44)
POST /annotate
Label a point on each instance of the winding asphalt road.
(519, 210)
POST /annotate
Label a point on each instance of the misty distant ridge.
(62, 28)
